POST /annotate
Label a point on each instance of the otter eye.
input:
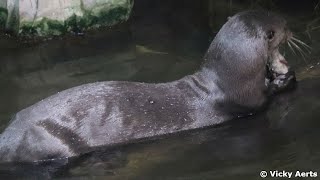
(270, 35)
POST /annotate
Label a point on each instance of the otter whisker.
(302, 43)
(291, 48)
(314, 28)
(295, 39)
(307, 47)
(299, 50)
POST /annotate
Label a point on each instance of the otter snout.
(278, 64)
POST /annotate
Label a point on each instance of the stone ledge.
(57, 17)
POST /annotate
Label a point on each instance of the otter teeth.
(278, 63)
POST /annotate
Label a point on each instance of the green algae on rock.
(3, 14)
(47, 18)
(3, 17)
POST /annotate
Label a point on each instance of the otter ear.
(229, 17)
(270, 35)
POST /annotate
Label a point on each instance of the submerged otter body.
(232, 82)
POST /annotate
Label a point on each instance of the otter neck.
(204, 86)
(233, 90)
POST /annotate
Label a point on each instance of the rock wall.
(56, 17)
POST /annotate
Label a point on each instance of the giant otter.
(233, 81)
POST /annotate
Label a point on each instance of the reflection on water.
(161, 44)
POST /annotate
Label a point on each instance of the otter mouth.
(277, 64)
(279, 77)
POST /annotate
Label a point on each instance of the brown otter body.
(232, 82)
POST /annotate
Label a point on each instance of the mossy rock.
(3, 17)
(88, 19)
(76, 18)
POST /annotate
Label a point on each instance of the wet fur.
(230, 83)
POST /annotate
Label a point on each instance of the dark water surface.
(163, 41)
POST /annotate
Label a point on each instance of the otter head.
(276, 34)
(251, 39)
(245, 45)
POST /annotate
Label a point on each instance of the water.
(163, 42)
